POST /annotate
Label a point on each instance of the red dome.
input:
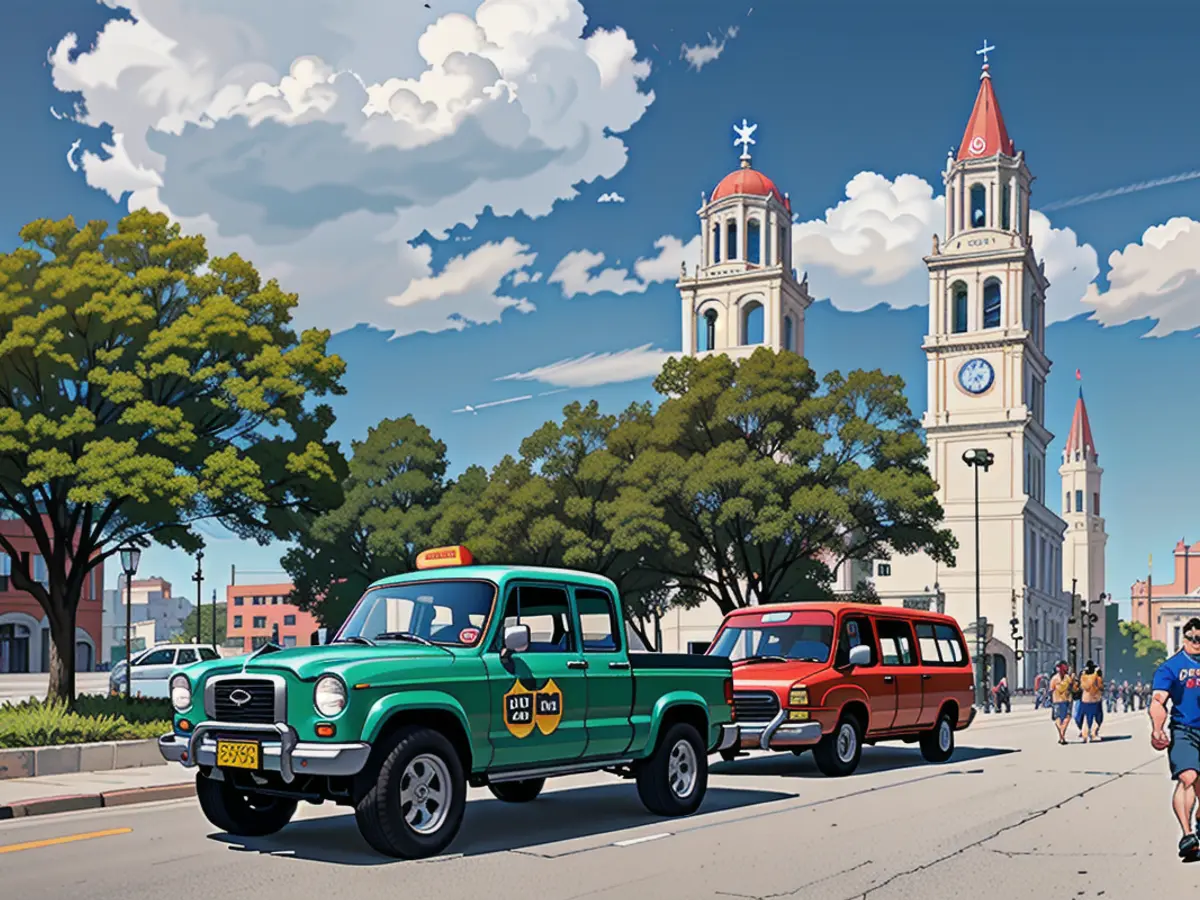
(748, 181)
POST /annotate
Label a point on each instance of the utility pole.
(214, 616)
(199, 579)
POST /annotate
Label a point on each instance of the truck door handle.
(618, 665)
(888, 679)
(577, 664)
(925, 676)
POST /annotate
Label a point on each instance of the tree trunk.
(62, 655)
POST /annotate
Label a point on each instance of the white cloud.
(595, 369)
(672, 254)
(469, 408)
(611, 197)
(317, 144)
(523, 277)
(74, 166)
(465, 291)
(700, 55)
(576, 271)
(869, 249)
(1158, 278)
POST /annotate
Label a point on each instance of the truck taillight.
(729, 698)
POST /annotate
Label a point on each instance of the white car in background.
(152, 668)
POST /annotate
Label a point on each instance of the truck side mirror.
(860, 655)
(516, 639)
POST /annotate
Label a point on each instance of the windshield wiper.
(750, 659)
(404, 636)
(355, 639)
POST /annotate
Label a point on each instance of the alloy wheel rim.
(944, 736)
(682, 770)
(846, 743)
(425, 792)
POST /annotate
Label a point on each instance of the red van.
(832, 676)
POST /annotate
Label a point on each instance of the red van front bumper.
(779, 734)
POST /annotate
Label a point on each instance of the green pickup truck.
(491, 676)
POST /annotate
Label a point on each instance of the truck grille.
(230, 703)
(755, 706)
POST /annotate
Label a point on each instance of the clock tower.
(987, 370)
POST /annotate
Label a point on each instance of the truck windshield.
(800, 636)
(438, 612)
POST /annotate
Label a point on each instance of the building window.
(731, 241)
(991, 304)
(1079, 501)
(237, 621)
(1096, 503)
(752, 324)
(289, 640)
(239, 601)
(289, 620)
(40, 574)
(884, 569)
(258, 642)
(708, 331)
(275, 601)
(978, 206)
(959, 308)
(1005, 204)
(716, 242)
(767, 261)
(753, 242)
(788, 336)
(260, 621)
(5, 570)
(1067, 502)
(781, 250)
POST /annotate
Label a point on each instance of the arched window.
(1006, 206)
(14, 648)
(978, 206)
(752, 323)
(731, 244)
(707, 332)
(766, 254)
(991, 304)
(788, 334)
(716, 244)
(781, 248)
(958, 308)
(753, 242)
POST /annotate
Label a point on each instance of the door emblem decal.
(526, 710)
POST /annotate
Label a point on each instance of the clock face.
(976, 375)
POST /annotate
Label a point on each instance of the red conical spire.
(985, 134)
(1079, 438)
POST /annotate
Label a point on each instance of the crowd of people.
(1083, 697)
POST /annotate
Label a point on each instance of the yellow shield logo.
(548, 707)
(518, 710)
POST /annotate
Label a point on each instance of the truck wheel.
(518, 791)
(937, 746)
(837, 754)
(415, 806)
(242, 813)
(672, 782)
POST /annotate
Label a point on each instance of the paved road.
(1013, 816)
(21, 687)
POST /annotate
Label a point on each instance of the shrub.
(35, 723)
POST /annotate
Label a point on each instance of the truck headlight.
(181, 693)
(798, 696)
(329, 696)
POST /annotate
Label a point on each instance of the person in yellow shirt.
(1060, 698)
(1092, 683)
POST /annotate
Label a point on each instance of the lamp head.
(130, 557)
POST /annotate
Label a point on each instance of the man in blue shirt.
(1178, 680)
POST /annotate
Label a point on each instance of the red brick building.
(1164, 602)
(258, 613)
(24, 628)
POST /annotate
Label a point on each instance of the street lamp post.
(199, 579)
(979, 459)
(130, 557)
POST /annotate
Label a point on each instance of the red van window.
(806, 636)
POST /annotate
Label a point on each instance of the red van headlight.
(798, 695)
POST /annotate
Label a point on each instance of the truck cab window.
(855, 630)
(547, 612)
(598, 620)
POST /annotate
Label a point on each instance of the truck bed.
(658, 674)
(645, 661)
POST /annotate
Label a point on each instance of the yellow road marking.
(69, 839)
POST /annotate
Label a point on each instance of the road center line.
(69, 839)
(641, 840)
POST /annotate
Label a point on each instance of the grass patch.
(37, 723)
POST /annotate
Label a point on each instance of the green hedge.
(35, 723)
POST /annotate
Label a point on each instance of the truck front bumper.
(779, 734)
(281, 750)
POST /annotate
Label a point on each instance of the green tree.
(864, 592)
(143, 387)
(1138, 652)
(396, 478)
(198, 625)
(757, 480)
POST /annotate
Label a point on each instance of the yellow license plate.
(237, 754)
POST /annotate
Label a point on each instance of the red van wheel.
(839, 752)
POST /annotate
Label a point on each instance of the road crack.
(1033, 816)
(807, 884)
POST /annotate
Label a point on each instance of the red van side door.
(898, 656)
(936, 672)
(857, 629)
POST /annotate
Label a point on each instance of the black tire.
(241, 813)
(838, 753)
(518, 791)
(421, 756)
(937, 745)
(673, 781)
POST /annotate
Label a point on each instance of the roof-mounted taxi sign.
(442, 557)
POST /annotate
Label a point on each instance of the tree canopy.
(145, 386)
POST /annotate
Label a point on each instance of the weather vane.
(744, 140)
(984, 51)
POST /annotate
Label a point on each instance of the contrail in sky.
(1128, 189)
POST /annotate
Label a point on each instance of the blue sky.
(471, 207)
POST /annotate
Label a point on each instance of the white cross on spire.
(984, 51)
(744, 140)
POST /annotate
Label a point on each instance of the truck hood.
(308, 663)
(772, 676)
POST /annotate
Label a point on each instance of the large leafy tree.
(389, 505)
(143, 387)
(759, 479)
(1135, 651)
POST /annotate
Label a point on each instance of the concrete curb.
(67, 759)
(44, 806)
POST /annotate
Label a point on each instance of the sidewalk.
(93, 790)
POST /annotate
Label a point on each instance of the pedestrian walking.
(1060, 696)
(1139, 694)
(1091, 714)
(1112, 693)
(1003, 697)
(1177, 681)
(1077, 702)
(1127, 696)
